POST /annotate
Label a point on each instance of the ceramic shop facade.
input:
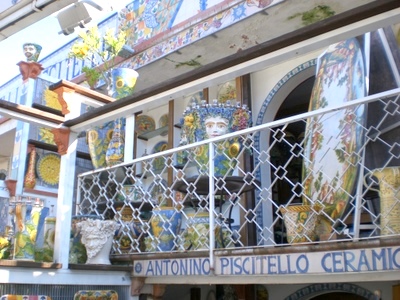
(257, 261)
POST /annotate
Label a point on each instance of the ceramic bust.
(204, 121)
(97, 236)
(31, 51)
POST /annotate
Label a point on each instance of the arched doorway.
(338, 296)
(289, 96)
(332, 291)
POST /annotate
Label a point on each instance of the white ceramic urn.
(97, 236)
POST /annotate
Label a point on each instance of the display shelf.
(126, 268)
(151, 134)
(29, 264)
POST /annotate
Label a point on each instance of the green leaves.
(98, 51)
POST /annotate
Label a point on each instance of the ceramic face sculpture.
(206, 121)
(32, 51)
(216, 126)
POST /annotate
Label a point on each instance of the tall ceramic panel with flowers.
(203, 121)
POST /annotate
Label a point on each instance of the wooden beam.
(30, 115)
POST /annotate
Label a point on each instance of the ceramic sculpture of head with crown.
(204, 121)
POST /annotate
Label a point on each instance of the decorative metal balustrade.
(329, 174)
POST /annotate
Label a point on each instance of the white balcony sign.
(329, 262)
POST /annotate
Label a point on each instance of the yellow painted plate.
(48, 168)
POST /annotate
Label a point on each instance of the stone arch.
(324, 288)
(276, 97)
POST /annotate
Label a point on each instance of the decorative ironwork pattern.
(258, 184)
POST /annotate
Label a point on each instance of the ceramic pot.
(165, 224)
(123, 82)
(197, 232)
(389, 194)
(98, 139)
(300, 222)
(77, 251)
(97, 236)
(30, 175)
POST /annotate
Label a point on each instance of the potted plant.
(99, 52)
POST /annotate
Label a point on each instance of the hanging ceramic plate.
(193, 99)
(163, 122)
(227, 91)
(158, 163)
(48, 168)
(329, 174)
(144, 124)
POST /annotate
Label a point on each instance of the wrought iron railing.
(294, 180)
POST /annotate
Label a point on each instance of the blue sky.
(44, 33)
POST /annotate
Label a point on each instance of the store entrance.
(338, 296)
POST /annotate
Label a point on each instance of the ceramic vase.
(98, 139)
(123, 82)
(300, 222)
(30, 175)
(165, 224)
(97, 236)
(389, 194)
(116, 146)
(24, 246)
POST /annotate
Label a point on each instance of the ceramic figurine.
(32, 51)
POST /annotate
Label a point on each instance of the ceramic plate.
(48, 168)
(162, 122)
(227, 91)
(193, 99)
(144, 124)
(158, 163)
(329, 175)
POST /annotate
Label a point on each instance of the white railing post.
(212, 203)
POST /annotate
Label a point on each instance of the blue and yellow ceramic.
(124, 81)
(116, 146)
(98, 139)
(96, 295)
(165, 224)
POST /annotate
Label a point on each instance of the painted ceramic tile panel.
(329, 172)
(25, 297)
(145, 19)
